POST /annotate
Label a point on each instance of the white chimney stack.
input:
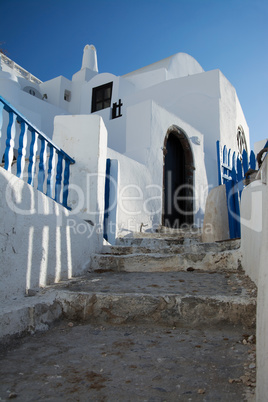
(90, 58)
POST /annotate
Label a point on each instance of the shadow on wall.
(41, 242)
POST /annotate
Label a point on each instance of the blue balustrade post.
(32, 158)
(58, 178)
(252, 160)
(234, 161)
(11, 132)
(107, 198)
(230, 207)
(224, 162)
(245, 161)
(240, 176)
(229, 159)
(219, 162)
(51, 172)
(236, 205)
(42, 164)
(66, 183)
(22, 149)
(1, 123)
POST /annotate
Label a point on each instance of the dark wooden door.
(174, 183)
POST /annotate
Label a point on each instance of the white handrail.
(24, 73)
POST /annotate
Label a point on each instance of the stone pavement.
(90, 362)
(182, 330)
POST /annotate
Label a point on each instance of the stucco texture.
(40, 241)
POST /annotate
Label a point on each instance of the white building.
(162, 125)
(157, 127)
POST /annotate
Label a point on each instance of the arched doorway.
(177, 179)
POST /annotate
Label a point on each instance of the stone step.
(180, 298)
(166, 233)
(171, 247)
(165, 262)
(188, 230)
(153, 241)
(191, 298)
(29, 314)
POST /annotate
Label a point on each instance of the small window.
(67, 95)
(32, 91)
(101, 97)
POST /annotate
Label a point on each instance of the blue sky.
(47, 38)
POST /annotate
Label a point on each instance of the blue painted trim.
(1, 121)
(58, 178)
(32, 159)
(9, 152)
(219, 162)
(51, 171)
(236, 210)
(240, 176)
(232, 172)
(66, 183)
(106, 199)
(252, 160)
(9, 108)
(42, 165)
(245, 161)
(15, 115)
(22, 149)
(230, 207)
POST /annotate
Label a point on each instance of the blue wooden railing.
(231, 172)
(41, 146)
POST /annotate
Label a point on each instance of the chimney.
(90, 58)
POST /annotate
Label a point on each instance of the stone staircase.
(157, 252)
(158, 317)
(165, 278)
(157, 278)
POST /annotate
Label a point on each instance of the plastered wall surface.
(137, 196)
(254, 247)
(40, 242)
(174, 91)
(215, 227)
(84, 138)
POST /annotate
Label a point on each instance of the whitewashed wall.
(145, 141)
(252, 209)
(231, 115)
(254, 247)
(40, 241)
(176, 66)
(55, 90)
(39, 112)
(173, 91)
(84, 138)
(115, 127)
(136, 203)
